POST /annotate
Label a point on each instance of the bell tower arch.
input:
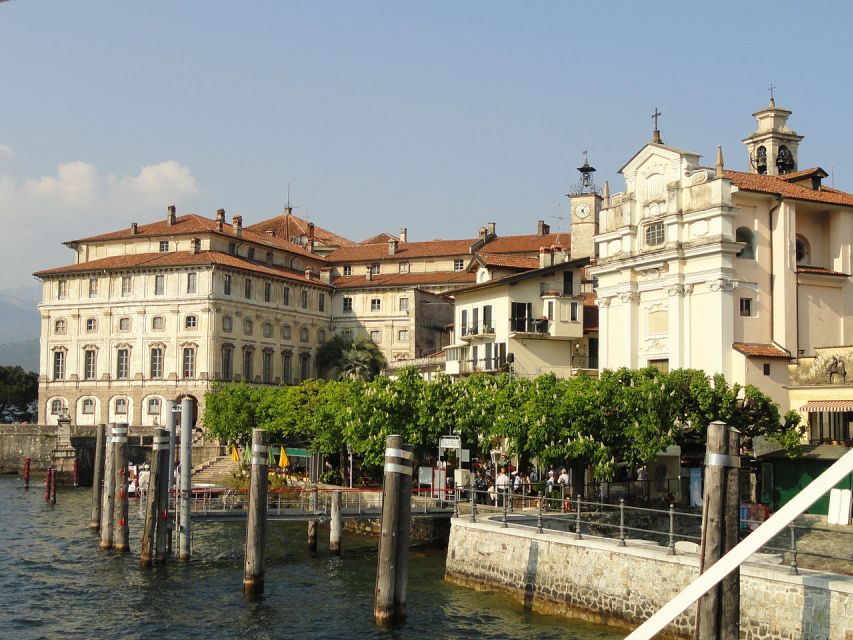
(772, 147)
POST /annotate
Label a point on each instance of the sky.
(435, 116)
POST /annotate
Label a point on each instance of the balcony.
(476, 332)
(543, 328)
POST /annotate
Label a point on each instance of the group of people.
(496, 491)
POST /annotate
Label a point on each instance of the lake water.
(54, 583)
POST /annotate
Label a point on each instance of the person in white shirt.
(502, 485)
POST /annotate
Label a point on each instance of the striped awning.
(830, 406)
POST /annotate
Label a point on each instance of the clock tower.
(585, 202)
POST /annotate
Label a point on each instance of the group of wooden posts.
(389, 601)
(110, 489)
(49, 479)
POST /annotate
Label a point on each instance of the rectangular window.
(285, 296)
(121, 406)
(488, 361)
(321, 302)
(124, 324)
(58, 365)
(404, 304)
(90, 363)
(232, 248)
(568, 283)
(766, 368)
(191, 282)
(157, 362)
(61, 289)
(403, 335)
(487, 318)
(475, 356)
(122, 364)
(159, 285)
(746, 306)
(267, 372)
(347, 305)
(251, 255)
(126, 285)
(305, 366)
(226, 284)
(88, 406)
(154, 406)
(404, 267)
(654, 234)
(158, 323)
(304, 299)
(267, 292)
(376, 336)
(93, 287)
(247, 288)
(248, 370)
(464, 323)
(475, 320)
(660, 365)
(287, 367)
(458, 265)
(375, 304)
(347, 270)
(227, 363)
(374, 269)
(164, 246)
(189, 362)
(573, 312)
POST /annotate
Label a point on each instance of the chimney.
(288, 210)
(605, 194)
(195, 245)
(134, 228)
(404, 234)
(307, 273)
(542, 229)
(369, 275)
(326, 274)
(170, 217)
(482, 233)
(237, 224)
(310, 237)
(392, 247)
(719, 162)
(544, 257)
(220, 215)
(491, 228)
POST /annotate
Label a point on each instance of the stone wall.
(18, 441)
(598, 581)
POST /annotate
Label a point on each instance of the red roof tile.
(509, 261)
(779, 186)
(405, 251)
(528, 243)
(820, 271)
(178, 259)
(433, 278)
(758, 350)
(380, 238)
(286, 226)
(192, 223)
(805, 173)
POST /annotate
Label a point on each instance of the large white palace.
(741, 273)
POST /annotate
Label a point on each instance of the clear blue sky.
(437, 116)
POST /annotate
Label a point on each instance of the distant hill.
(19, 317)
(22, 354)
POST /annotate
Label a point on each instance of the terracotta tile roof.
(805, 173)
(820, 271)
(778, 186)
(758, 350)
(380, 238)
(510, 261)
(528, 243)
(405, 279)
(405, 250)
(192, 223)
(287, 226)
(178, 259)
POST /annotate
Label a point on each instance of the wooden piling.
(184, 530)
(256, 518)
(108, 501)
(397, 464)
(75, 473)
(335, 525)
(121, 534)
(404, 524)
(98, 477)
(163, 484)
(47, 484)
(708, 609)
(149, 530)
(313, 525)
(172, 428)
(27, 463)
(51, 486)
(730, 586)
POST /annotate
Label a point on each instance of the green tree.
(330, 355)
(18, 392)
(362, 361)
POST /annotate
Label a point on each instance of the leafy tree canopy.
(18, 392)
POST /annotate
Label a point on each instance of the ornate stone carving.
(629, 296)
(723, 284)
(603, 302)
(679, 290)
(835, 367)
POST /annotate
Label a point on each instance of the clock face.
(582, 211)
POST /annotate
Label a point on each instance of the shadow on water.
(54, 583)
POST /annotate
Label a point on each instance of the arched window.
(124, 324)
(784, 160)
(745, 235)
(760, 160)
(247, 327)
(267, 330)
(804, 251)
(56, 406)
(321, 336)
(88, 405)
(158, 323)
(227, 324)
(121, 406)
(59, 326)
(190, 322)
(303, 334)
(91, 325)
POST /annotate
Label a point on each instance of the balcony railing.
(528, 325)
(559, 289)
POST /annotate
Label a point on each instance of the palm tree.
(348, 359)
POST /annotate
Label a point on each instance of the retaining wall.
(598, 581)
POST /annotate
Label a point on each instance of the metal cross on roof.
(771, 88)
(655, 116)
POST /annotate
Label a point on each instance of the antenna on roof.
(288, 210)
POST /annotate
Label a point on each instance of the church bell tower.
(585, 200)
(773, 146)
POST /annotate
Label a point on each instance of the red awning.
(831, 406)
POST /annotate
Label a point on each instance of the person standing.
(502, 486)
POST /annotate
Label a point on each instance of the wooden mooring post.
(171, 484)
(163, 484)
(121, 536)
(51, 484)
(160, 446)
(108, 502)
(256, 518)
(404, 525)
(27, 463)
(391, 568)
(313, 525)
(184, 530)
(47, 484)
(335, 524)
(98, 477)
(717, 614)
